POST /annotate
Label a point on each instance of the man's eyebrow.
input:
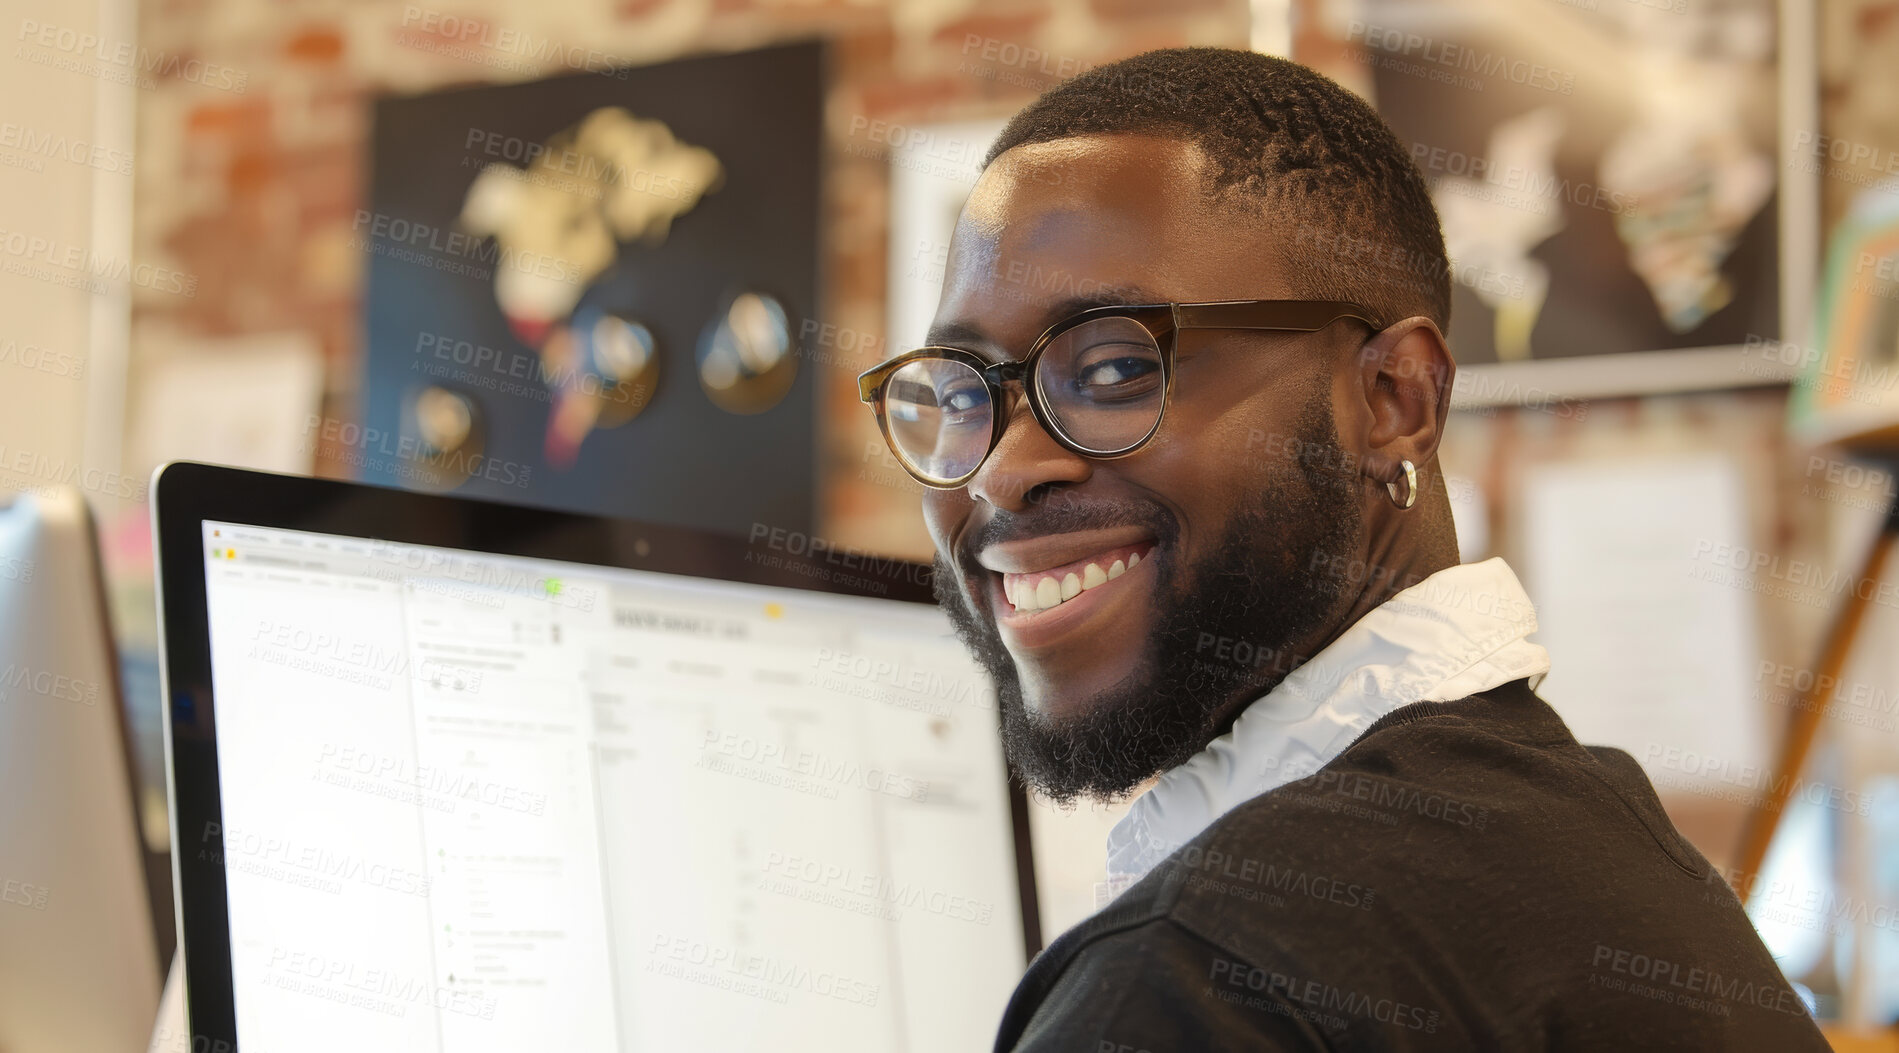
(970, 335)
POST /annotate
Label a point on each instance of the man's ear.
(1404, 376)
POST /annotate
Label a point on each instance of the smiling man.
(1179, 419)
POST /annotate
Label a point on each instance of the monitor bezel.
(187, 494)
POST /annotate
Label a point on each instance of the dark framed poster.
(585, 291)
(1624, 199)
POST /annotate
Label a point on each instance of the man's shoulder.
(1432, 806)
(1463, 869)
(1479, 781)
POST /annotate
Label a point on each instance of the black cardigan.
(1464, 876)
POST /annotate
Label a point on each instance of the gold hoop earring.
(1410, 486)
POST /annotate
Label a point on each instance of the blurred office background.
(387, 241)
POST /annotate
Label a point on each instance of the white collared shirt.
(1457, 632)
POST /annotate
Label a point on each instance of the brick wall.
(251, 181)
(254, 191)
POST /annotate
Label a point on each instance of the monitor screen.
(482, 802)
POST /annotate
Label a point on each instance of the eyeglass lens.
(1101, 382)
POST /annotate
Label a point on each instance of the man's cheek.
(945, 512)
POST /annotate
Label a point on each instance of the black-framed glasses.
(1097, 382)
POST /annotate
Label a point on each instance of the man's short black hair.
(1358, 220)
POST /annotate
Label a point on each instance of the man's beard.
(1224, 628)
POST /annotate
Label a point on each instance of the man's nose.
(1027, 462)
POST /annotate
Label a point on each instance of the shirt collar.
(1458, 632)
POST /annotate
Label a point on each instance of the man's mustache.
(1065, 516)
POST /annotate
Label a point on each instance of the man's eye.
(1118, 376)
(959, 404)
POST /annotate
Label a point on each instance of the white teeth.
(1047, 593)
(1025, 597)
(1052, 591)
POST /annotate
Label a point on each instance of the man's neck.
(1387, 566)
(1390, 566)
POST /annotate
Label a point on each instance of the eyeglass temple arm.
(1300, 316)
(869, 381)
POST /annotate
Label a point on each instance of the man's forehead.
(1037, 195)
(1053, 228)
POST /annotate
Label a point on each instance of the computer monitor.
(455, 775)
(79, 958)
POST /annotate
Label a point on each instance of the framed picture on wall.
(1628, 188)
(583, 290)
